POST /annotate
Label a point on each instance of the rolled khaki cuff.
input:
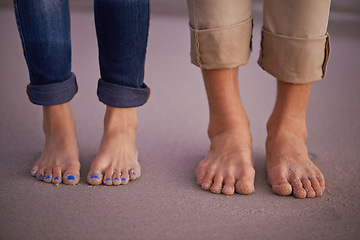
(220, 48)
(294, 60)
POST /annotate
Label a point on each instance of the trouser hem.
(53, 93)
(122, 96)
(220, 48)
(294, 60)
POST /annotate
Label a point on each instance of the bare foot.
(116, 161)
(228, 166)
(59, 162)
(290, 171)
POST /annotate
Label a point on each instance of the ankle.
(229, 126)
(120, 120)
(279, 125)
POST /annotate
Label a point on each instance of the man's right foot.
(59, 161)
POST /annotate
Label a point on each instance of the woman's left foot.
(116, 161)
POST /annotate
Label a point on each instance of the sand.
(166, 203)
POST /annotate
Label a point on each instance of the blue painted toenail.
(124, 179)
(117, 178)
(133, 173)
(95, 176)
(48, 177)
(70, 177)
(40, 176)
(57, 178)
(108, 179)
(33, 170)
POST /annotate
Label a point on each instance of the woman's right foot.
(59, 161)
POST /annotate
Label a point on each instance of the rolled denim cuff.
(121, 96)
(294, 60)
(225, 47)
(53, 93)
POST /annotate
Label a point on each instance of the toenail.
(48, 177)
(108, 179)
(95, 176)
(117, 178)
(70, 177)
(124, 179)
(133, 173)
(56, 178)
(40, 176)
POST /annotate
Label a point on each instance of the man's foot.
(59, 162)
(228, 166)
(116, 161)
(289, 169)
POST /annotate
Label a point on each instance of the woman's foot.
(59, 162)
(116, 161)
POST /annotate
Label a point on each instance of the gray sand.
(166, 203)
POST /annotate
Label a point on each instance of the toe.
(116, 177)
(228, 188)
(244, 187)
(316, 186)
(298, 189)
(94, 178)
(48, 175)
(207, 182)
(71, 178)
(108, 177)
(34, 170)
(40, 174)
(124, 176)
(217, 185)
(310, 193)
(279, 182)
(134, 173)
(56, 175)
(200, 175)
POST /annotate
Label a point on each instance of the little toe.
(207, 182)
(56, 179)
(124, 176)
(298, 189)
(228, 188)
(108, 177)
(34, 170)
(116, 177)
(200, 175)
(134, 173)
(217, 185)
(94, 178)
(316, 186)
(48, 175)
(310, 193)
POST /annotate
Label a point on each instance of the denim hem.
(54, 93)
(122, 96)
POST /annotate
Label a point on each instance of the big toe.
(282, 188)
(244, 187)
(94, 178)
(71, 177)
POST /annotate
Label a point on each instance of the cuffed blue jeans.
(122, 33)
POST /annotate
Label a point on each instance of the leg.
(220, 42)
(122, 30)
(52, 85)
(301, 60)
(228, 166)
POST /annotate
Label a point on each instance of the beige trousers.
(294, 42)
